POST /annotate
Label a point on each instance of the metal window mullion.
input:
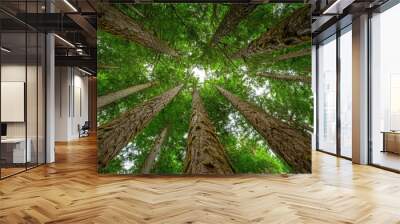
(69, 93)
(338, 93)
(37, 91)
(0, 92)
(45, 95)
(317, 96)
(369, 90)
(73, 92)
(26, 86)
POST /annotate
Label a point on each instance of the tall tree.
(289, 143)
(115, 22)
(149, 162)
(102, 66)
(292, 30)
(236, 13)
(205, 154)
(285, 77)
(112, 97)
(115, 135)
(294, 54)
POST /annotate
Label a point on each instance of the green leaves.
(188, 28)
(251, 156)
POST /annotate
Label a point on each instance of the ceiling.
(74, 22)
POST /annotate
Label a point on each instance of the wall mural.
(214, 89)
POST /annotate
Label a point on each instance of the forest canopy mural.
(199, 89)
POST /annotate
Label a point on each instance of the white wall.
(71, 102)
(33, 126)
(17, 73)
(62, 81)
(12, 73)
(80, 109)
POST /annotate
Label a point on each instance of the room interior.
(335, 51)
(22, 102)
(26, 69)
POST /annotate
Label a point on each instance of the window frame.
(339, 32)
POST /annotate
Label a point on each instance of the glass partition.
(327, 95)
(22, 101)
(13, 95)
(346, 92)
(385, 89)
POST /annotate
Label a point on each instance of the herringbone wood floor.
(70, 191)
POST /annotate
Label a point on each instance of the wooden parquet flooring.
(70, 191)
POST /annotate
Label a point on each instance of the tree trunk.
(294, 54)
(119, 24)
(114, 136)
(205, 154)
(149, 163)
(291, 144)
(101, 66)
(236, 13)
(284, 77)
(292, 30)
(112, 97)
